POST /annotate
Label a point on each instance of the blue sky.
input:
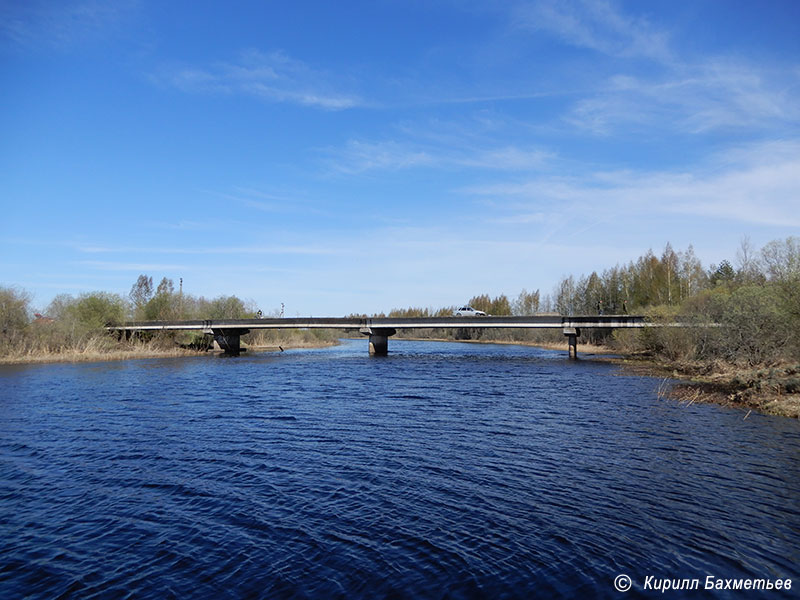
(360, 156)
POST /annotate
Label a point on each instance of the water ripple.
(443, 471)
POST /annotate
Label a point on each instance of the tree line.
(73, 323)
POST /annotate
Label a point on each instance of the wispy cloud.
(273, 77)
(293, 202)
(717, 94)
(740, 186)
(61, 24)
(466, 143)
(359, 156)
(597, 25)
(657, 86)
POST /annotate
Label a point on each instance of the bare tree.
(141, 293)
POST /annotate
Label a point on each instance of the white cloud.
(758, 185)
(274, 77)
(716, 94)
(360, 156)
(656, 87)
(596, 25)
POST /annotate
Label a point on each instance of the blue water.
(444, 470)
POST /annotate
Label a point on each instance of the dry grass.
(93, 355)
(103, 348)
(771, 390)
(783, 405)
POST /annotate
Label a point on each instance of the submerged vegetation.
(744, 347)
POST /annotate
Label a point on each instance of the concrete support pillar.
(572, 340)
(378, 345)
(229, 340)
(572, 334)
(378, 340)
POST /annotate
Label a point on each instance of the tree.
(228, 307)
(693, 277)
(721, 275)
(755, 328)
(646, 280)
(527, 303)
(97, 310)
(781, 259)
(141, 293)
(747, 269)
(500, 306)
(165, 287)
(14, 310)
(565, 297)
(163, 306)
(670, 268)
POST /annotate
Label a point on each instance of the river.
(445, 470)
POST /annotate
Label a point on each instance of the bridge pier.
(229, 340)
(572, 334)
(128, 334)
(378, 339)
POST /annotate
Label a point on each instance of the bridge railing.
(525, 322)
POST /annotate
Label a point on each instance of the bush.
(98, 310)
(14, 310)
(14, 317)
(755, 326)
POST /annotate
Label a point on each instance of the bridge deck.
(526, 322)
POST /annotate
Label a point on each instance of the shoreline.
(727, 386)
(760, 390)
(590, 349)
(139, 353)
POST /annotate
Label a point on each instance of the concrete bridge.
(227, 332)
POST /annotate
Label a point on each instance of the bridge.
(227, 332)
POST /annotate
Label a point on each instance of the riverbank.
(590, 349)
(93, 355)
(770, 390)
(141, 351)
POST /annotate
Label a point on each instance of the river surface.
(444, 470)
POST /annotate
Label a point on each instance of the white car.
(468, 311)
